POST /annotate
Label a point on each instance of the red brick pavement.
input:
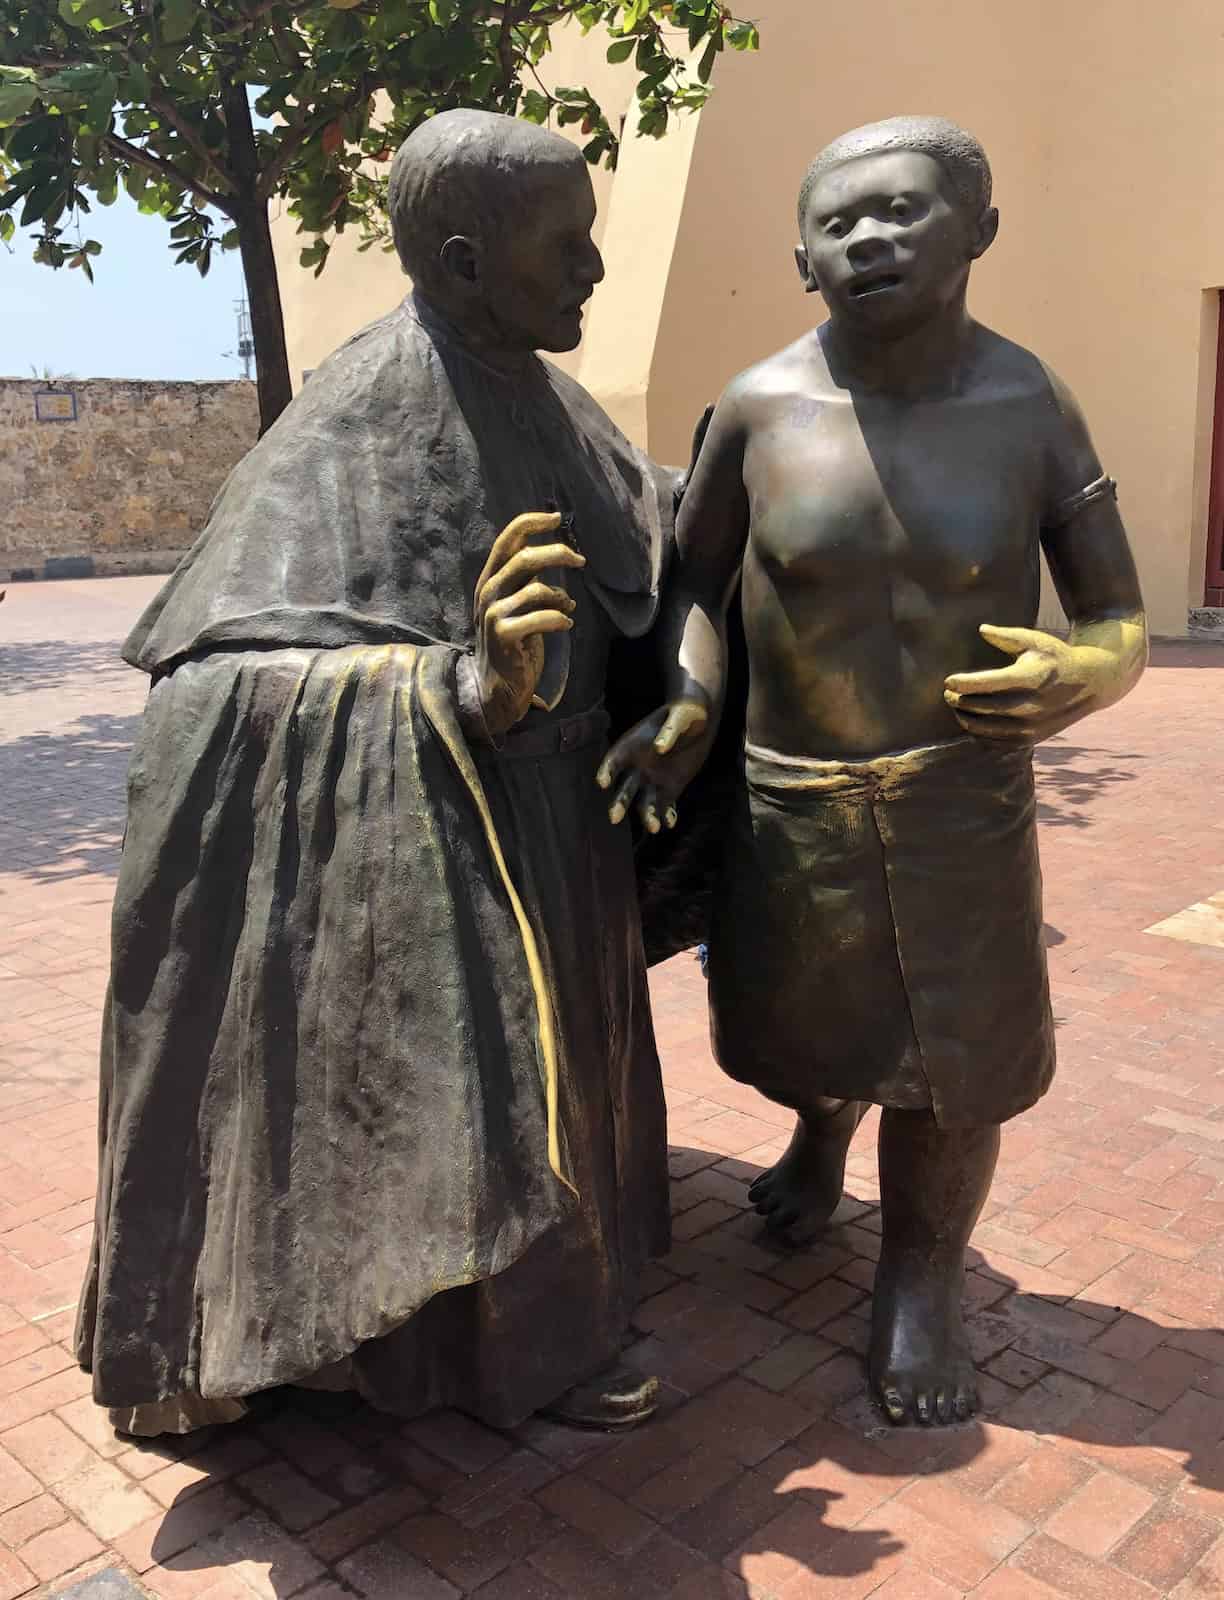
(1097, 1471)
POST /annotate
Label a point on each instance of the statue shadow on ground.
(64, 797)
(767, 1460)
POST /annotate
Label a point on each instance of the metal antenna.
(246, 344)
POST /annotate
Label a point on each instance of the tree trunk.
(258, 260)
(267, 319)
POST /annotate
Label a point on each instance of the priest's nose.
(592, 269)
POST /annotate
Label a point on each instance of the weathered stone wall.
(125, 485)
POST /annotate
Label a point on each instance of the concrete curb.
(21, 568)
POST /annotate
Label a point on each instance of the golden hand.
(514, 608)
(1052, 682)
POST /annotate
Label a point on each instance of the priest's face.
(540, 271)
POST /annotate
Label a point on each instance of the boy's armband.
(1067, 510)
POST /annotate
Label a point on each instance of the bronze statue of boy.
(883, 488)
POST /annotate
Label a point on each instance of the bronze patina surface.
(381, 1106)
(883, 490)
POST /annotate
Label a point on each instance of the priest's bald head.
(492, 217)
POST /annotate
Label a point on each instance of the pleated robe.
(379, 1089)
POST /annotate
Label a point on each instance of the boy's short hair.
(959, 155)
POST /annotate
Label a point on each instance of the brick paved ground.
(1097, 1471)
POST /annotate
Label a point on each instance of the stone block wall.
(124, 487)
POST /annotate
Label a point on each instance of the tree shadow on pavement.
(64, 798)
(1071, 777)
(43, 665)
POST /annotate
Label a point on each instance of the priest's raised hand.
(514, 608)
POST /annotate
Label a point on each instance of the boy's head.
(891, 216)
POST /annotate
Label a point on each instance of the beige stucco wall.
(1101, 120)
(135, 473)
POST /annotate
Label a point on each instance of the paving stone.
(1096, 1288)
(109, 1584)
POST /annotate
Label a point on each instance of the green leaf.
(96, 15)
(652, 123)
(621, 50)
(15, 100)
(178, 18)
(743, 36)
(706, 65)
(7, 226)
(44, 205)
(17, 74)
(20, 186)
(535, 107)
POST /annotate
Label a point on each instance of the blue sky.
(143, 317)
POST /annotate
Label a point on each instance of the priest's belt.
(557, 737)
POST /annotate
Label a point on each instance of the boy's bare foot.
(919, 1362)
(805, 1186)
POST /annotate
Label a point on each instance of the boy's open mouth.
(874, 283)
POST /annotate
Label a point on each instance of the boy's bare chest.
(943, 495)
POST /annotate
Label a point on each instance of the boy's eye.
(835, 227)
(901, 209)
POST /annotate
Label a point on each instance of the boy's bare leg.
(933, 1184)
(805, 1186)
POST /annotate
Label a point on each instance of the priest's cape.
(379, 1089)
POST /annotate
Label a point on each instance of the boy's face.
(886, 243)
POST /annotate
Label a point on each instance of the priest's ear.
(462, 262)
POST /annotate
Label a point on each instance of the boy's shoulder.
(1051, 417)
(797, 371)
(1005, 370)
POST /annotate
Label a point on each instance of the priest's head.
(492, 217)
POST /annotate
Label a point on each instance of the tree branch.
(505, 46)
(165, 169)
(45, 62)
(168, 110)
(249, 18)
(276, 168)
(498, 12)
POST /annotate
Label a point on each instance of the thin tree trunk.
(267, 319)
(258, 261)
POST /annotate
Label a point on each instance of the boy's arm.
(1053, 682)
(658, 757)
